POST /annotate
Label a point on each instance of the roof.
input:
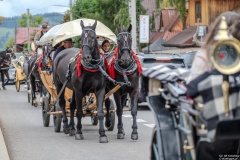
(149, 5)
(154, 35)
(168, 17)
(22, 34)
(182, 39)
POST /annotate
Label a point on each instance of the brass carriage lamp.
(225, 57)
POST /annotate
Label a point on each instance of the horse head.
(47, 50)
(124, 41)
(89, 43)
(10, 53)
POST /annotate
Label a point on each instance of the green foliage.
(181, 6)
(34, 21)
(10, 43)
(66, 17)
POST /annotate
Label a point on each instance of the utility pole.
(70, 5)
(28, 31)
(134, 25)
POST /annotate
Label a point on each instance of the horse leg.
(134, 102)
(79, 114)
(2, 78)
(72, 110)
(107, 105)
(100, 114)
(41, 92)
(117, 98)
(7, 75)
(33, 84)
(62, 104)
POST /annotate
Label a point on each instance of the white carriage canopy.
(71, 29)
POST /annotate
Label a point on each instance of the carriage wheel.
(45, 109)
(94, 120)
(154, 145)
(57, 120)
(111, 116)
(17, 83)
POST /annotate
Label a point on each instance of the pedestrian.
(205, 81)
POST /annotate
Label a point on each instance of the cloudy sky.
(9, 8)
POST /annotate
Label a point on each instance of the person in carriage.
(106, 46)
(204, 77)
(68, 43)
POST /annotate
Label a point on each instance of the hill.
(7, 28)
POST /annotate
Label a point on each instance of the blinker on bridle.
(85, 39)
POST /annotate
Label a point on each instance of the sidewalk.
(3, 150)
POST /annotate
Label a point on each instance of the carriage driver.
(40, 33)
(68, 43)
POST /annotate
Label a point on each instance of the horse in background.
(124, 67)
(85, 78)
(5, 62)
(34, 76)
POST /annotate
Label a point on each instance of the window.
(198, 13)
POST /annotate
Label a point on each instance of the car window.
(151, 62)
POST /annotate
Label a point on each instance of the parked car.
(188, 58)
(151, 60)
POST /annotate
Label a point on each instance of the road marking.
(127, 115)
(149, 125)
(140, 120)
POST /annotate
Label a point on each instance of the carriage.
(50, 106)
(20, 74)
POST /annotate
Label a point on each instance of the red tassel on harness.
(112, 69)
(78, 65)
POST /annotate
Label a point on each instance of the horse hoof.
(66, 130)
(120, 136)
(4, 88)
(134, 136)
(103, 139)
(79, 136)
(72, 132)
(35, 104)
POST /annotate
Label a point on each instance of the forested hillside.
(7, 28)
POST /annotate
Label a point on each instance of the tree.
(35, 21)
(66, 17)
(10, 43)
(1, 18)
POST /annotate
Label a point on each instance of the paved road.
(27, 139)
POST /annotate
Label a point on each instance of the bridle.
(85, 41)
(126, 45)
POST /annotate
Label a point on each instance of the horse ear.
(129, 28)
(94, 25)
(82, 25)
(118, 28)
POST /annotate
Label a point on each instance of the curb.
(3, 149)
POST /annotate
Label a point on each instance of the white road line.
(140, 120)
(127, 115)
(149, 125)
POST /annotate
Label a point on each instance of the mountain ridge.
(7, 28)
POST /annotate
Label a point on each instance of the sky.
(10, 8)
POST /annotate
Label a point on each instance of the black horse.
(5, 62)
(125, 69)
(34, 77)
(85, 78)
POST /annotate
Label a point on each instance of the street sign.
(144, 29)
(201, 31)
